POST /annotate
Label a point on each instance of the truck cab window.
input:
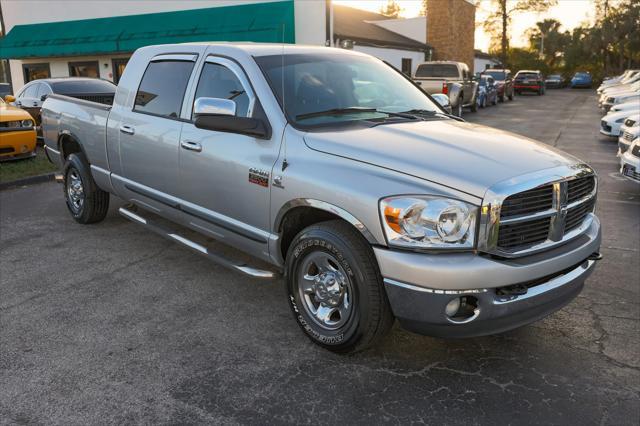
(162, 88)
(218, 81)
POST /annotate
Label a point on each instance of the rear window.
(527, 75)
(162, 88)
(437, 70)
(79, 87)
(498, 75)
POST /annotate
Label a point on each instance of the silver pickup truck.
(450, 78)
(338, 171)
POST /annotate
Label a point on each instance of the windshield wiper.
(334, 111)
(426, 112)
(345, 111)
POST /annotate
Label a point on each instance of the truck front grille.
(545, 213)
(627, 136)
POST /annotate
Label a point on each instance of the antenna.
(284, 103)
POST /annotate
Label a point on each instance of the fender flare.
(328, 207)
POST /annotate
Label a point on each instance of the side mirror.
(442, 99)
(43, 98)
(220, 115)
(214, 106)
(9, 98)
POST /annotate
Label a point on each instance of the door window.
(84, 69)
(35, 71)
(162, 88)
(218, 81)
(43, 90)
(30, 92)
(406, 66)
(119, 65)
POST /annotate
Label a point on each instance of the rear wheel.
(511, 96)
(335, 289)
(86, 202)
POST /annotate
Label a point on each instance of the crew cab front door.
(227, 175)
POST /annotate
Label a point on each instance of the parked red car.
(504, 82)
(529, 81)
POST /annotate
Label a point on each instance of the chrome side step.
(217, 258)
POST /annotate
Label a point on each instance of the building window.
(406, 66)
(162, 88)
(118, 64)
(35, 71)
(84, 69)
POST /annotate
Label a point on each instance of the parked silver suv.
(338, 171)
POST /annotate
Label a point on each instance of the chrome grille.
(516, 223)
(527, 202)
(627, 136)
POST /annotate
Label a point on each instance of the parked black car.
(529, 81)
(555, 81)
(5, 89)
(31, 96)
(503, 81)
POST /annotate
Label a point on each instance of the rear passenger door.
(28, 100)
(150, 132)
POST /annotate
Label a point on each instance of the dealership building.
(95, 38)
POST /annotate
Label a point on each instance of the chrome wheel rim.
(75, 190)
(325, 290)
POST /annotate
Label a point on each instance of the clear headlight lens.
(26, 123)
(428, 222)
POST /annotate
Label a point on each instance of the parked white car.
(630, 162)
(629, 131)
(626, 106)
(611, 123)
(630, 79)
(620, 98)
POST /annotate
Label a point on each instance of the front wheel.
(458, 108)
(335, 289)
(86, 202)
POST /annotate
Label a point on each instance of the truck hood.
(463, 156)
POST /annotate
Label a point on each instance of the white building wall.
(393, 56)
(413, 28)
(480, 64)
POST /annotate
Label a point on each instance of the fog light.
(452, 307)
(462, 309)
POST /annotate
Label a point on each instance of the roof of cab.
(267, 49)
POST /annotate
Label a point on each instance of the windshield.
(527, 75)
(581, 75)
(498, 75)
(437, 70)
(555, 77)
(322, 89)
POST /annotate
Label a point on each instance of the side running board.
(217, 258)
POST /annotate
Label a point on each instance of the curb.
(28, 181)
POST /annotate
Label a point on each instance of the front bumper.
(630, 166)
(419, 286)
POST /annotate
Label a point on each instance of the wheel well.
(68, 145)
(299, 218)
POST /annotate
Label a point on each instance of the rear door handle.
(191, 146)
(127, 129)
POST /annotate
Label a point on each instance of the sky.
(571, 13)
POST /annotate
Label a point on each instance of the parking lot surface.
(110, 324)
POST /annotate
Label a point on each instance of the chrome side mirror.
(442, 99)
(214, 106)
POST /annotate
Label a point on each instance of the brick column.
(450, 30)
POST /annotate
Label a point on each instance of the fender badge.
(259, 177)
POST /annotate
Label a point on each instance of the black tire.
(458, 110)
(511, 96)
(369, 317)
(474, 106)
(94, 202)
(501, 98)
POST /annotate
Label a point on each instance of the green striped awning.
(258, 22)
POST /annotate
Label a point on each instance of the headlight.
(26, 123)
(428, 222)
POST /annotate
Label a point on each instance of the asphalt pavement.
(107, 323)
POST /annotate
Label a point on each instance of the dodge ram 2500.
(342, 174)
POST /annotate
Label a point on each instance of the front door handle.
(127, 129)
(191, 146)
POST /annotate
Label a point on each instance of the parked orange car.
(17, 133)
